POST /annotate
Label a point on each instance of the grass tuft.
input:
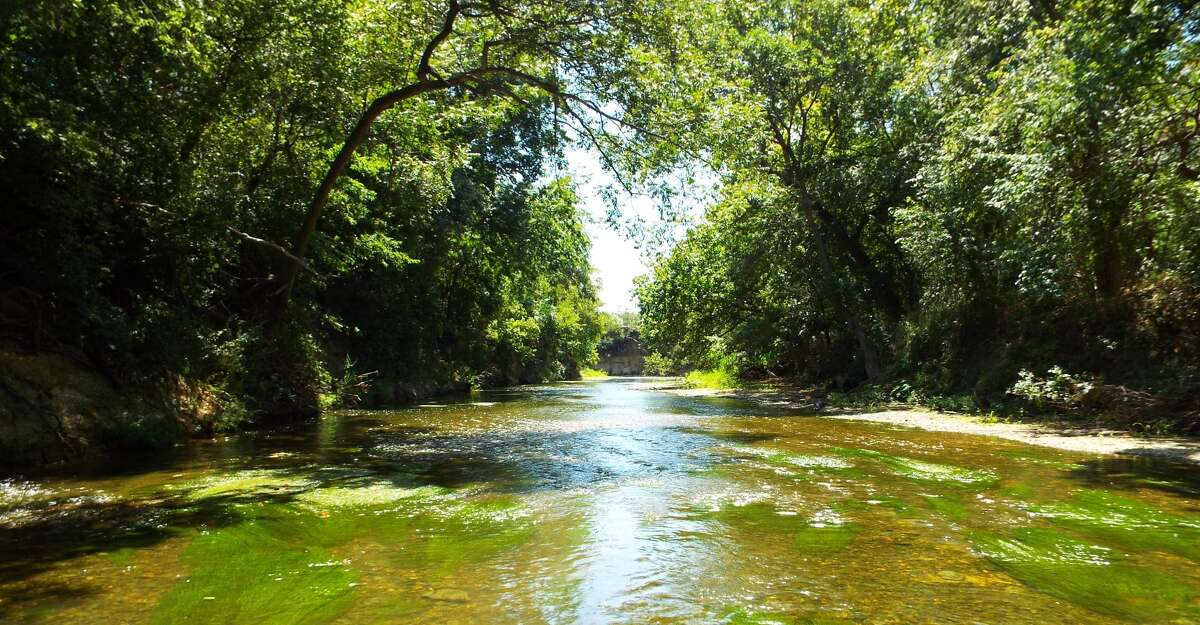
(713, 378)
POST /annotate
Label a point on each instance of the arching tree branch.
(483, 80)
(423, 68)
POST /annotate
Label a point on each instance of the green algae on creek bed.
(251, 484)
(775, 456)
(1018, 491)
(887, 502)
(550, 510)
(1047, 459)
(949, 505)
(366, 493)
(752, 617)
(824, 532)
(280, 563)
(1126, 522)
(923, 470)
(1088, 575)
(795, 465)
(440, 528)
(247, 575)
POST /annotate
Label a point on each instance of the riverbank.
(1058, 435)
(59, 407)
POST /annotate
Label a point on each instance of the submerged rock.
(452, 595)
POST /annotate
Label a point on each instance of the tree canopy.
(173, 165)
(941, 194)
(277, 198)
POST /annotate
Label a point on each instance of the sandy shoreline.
(1084, 440)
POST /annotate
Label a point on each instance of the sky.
(616, 259)
(616, 262)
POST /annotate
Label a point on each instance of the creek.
(600, 502)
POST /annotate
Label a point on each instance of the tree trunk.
(882, 290)
(1105, 211)
(1106, 252)
(867, 349)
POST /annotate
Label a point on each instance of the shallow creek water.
(597, 502)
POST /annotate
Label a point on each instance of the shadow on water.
(37, 545)
(57, 592)
(1135, 473)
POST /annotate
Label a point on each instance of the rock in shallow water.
(451, 595)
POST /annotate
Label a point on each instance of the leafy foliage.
(928, 196)
(939, 195)
(156, 152)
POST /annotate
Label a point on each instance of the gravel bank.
(1085, 440)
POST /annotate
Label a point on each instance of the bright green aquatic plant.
(747, 617)
(1088, 575)
(443, 528)
(1126, 522)
(1040, 457)
(750, 617)
(826, 531)
(786, 458)
(278, 563)
(370, 493)
(825, 539)
(923, 470)
(949, 505)
(249, 484)
(887, 502)
(249, 574)
(1019, 491)
(469, 532)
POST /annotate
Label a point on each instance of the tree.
(502, 49)
(156, 152)
(964, 189)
